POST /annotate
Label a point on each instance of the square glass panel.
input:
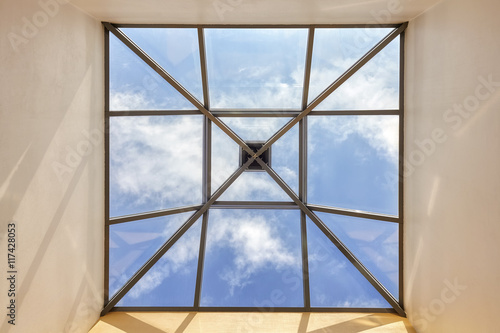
(352, 162)
(253, 259)
(256, 68)
(155, 163)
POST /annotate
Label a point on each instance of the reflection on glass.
(335, 50)
(374, 87)
(172, 280)
(131, 244)
(174, 49)
(133, 85)
(374, 243)
(253, 259)
(334, 281)
(258, 68)
(155, 163)
(353, 162)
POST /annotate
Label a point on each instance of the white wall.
(51, 91)
(453, 190)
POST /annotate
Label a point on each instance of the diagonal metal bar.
(337, 83)
(355, 213)
(336, 241)
(176, 85)
(148, 215)
(171, 241)
(307, 71)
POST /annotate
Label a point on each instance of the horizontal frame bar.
(253, 113)
(254, 205)
(258, 26)
(354, 213)
(249, 309)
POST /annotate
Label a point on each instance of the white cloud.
(255, 242)
(128, 101)
(380, 132)
(156, 159)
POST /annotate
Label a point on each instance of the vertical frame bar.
(401, 164)
(106, 165)
(303, 172)
(201, 261)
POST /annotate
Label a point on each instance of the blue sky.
(253, 257)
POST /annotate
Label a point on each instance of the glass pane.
(374, 243)
(256, 68)
(374, 87)
(131, 244)
(335, 50)
(353, 161)
(253, 259)
(254, 186)
(133, 85)
(176, 50)
(172, 280)
(155, 163)
(225, 157)
(334, 281)
(285, 159)
(256, 129)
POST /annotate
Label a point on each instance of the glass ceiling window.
(254, 168)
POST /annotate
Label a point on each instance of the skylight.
(316, 110)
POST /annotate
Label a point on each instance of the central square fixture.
(255, 146)
(191, 108)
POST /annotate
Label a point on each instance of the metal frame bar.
(253, 113)
(299, 202)
(401, 162)
(106, 165)
(256, 26)
(149, 215)
(201, 260)
(354, 213)
(248, 309)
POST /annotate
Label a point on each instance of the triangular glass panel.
(253, 259)
(374, 243)
(172, 280)
(285, 158)
(131, 244)
(258, 69)
(336, 50)
(174, 49)
(133, 85)
(353, 162)
(334, 281)
(375, 86)
(254, 186)
(155, 163)
(225, 157)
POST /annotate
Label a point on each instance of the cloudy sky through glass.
(253, 258)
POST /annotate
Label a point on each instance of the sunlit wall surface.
(318, 228)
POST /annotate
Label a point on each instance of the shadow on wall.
(157, 322)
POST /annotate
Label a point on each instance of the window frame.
(213, 117)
